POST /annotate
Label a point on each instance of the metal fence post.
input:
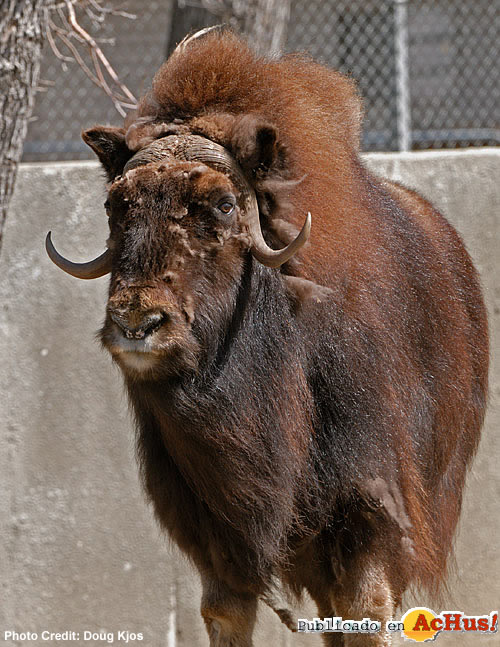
(403, 106)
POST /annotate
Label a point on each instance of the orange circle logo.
(418, 624)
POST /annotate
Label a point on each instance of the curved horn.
(203, 150)
(265, 254)
(198, 34)
(91, 270)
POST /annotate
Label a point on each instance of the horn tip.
(189, 38)
(48, 242)
(306, 228)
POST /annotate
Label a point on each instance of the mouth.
(120, 344)
(151, 355)
(138, 355)
(162, 351)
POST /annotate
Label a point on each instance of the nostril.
(152, 323)
(133, 328)
(118, 319)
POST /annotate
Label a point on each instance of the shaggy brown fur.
(311, 425)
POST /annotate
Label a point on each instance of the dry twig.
(73, 36)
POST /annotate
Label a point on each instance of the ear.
(254, 143)
(108, 143)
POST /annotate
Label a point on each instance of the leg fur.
(229, 616)
(366, 592)
(325, 610)
(276, 599)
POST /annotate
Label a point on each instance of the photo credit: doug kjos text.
(123, 637)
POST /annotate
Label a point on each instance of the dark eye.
(226, 206)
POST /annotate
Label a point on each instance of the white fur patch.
(138, 362)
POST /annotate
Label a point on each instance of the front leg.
(276, 599)
(229, 616)
(366, 592)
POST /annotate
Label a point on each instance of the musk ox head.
(182, 220)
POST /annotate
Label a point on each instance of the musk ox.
(307, 399)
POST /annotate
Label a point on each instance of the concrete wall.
(78, 548)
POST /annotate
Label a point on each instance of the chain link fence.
(428, 70)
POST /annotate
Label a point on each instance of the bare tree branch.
(71, 34)
(24, 24)
(50, 37)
